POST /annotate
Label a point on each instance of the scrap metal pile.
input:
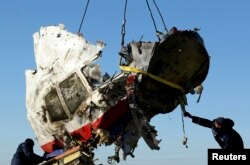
(70, 102)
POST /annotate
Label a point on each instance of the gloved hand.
(187, 114)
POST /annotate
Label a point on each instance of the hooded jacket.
(24, 154)
(225, 136)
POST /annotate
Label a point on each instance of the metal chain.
(160, 15)
(123, 32)
(152, 16)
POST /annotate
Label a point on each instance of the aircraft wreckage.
(72, 105)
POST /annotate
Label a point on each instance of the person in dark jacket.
(24, 154)
(223, 132)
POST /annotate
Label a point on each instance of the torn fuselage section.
(67, 97)
(70, 102)
(166, 69)
(160, 74)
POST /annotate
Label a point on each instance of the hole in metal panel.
(54, 107)
(73, 92)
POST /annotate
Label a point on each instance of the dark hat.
(224, 122)
(219, 120)
(29, 141)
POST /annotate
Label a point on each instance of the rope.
(183, 102)
(136, 70)
(86, 7)
(160, 16)
(184, 141)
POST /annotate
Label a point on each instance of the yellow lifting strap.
(136, 70)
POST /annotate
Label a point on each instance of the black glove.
(187, 114)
